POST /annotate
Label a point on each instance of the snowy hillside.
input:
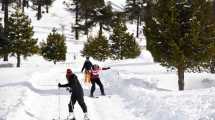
(137, 89)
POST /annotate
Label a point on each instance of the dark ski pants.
(81, 102)
(93, 88)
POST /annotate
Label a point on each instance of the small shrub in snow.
(97, 48)
(54, 49)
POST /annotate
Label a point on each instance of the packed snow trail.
(41, 96)
(133, 97)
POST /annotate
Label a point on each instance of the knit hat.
(68, 71)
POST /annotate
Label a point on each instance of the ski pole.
(59, 103)
(118, 75)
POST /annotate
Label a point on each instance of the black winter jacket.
(87, 65)
(74, 85)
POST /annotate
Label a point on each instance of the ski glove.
(69, 89)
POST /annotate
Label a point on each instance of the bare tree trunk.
(19, 3)
(5, 57)
(18, 60)
(212, 66)
(39, 11)
(23, 5)
(100, 29)
(76, 21)
(181, 77)
(27, 3)
(138, 24)
(47, 9)
(5, 13)
(86, 31)
(5, 26)
(3, 5)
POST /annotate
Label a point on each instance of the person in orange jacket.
(86, 68)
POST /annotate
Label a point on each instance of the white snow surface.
(137, 89)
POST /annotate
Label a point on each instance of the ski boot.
(103, 94)
(91, 95)
(86, 117)
(71, 116)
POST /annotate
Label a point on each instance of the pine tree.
(77, 16)
(211, 62)
(3, 2)
(97, 48)
(88, 12)
(104, 17)
(4, 33)
(135, 11)
(123, 44)
(75, 7)
(5, 6)
(39, 4)
(20, 34)
(178, 34)
(212, 47)
(131, 47)
(19, 3)
(54, 49)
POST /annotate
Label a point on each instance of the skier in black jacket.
(77, 94)
(87, 67)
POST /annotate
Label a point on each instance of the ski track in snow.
(37, 84)
(7, 106)
(141, 98)
(134, 96)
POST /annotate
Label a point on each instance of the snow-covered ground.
(137, 89)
